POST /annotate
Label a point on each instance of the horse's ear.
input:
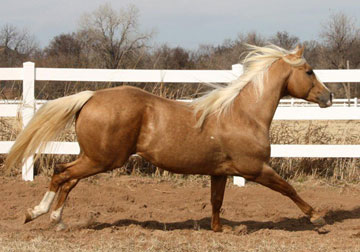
(299, 50)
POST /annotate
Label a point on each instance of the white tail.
(47, 123)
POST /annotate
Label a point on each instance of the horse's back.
(125, 101)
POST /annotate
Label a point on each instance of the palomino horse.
(223, 133)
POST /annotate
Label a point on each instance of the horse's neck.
(263, 108)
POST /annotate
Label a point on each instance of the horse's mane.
(256, 65)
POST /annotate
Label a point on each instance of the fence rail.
(300, 110)
(354, 102)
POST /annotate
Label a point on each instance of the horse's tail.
(52, 118)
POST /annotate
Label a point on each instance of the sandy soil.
(150, 214)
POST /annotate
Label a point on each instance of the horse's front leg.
(217, 195)
(269, 178)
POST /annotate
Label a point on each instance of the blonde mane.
(256, 65)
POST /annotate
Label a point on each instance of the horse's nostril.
(331, 96)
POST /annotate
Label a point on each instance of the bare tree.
(341, 47)
(17, 45)
(252, 38)
(312, 53)
(341, 41)
(65, 50)
(226, 54)
(165, 57)
(112, 37)
(284, 40)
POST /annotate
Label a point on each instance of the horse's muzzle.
(325, 100)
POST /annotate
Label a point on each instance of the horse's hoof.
(217, 228)
(28, 216)
(318, 221)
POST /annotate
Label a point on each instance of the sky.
(186, 23)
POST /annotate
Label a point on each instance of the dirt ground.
(132, 213)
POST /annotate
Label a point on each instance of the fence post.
(238, 70)
(27, 111)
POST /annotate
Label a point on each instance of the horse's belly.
(185, 161)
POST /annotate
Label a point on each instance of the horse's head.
(302, 83)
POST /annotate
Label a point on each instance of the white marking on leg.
(44, 205)
(56, 215)
(55, 218)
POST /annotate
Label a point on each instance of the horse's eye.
(310, 72)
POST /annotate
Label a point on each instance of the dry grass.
(317, 132)
(177, 242)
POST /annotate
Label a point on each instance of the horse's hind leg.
(81, 168)
(217, 195)
(47, 200)
(271, 179)
(56, 214)
(40, 209)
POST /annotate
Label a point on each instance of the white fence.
(29, 74)
(292, 102)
